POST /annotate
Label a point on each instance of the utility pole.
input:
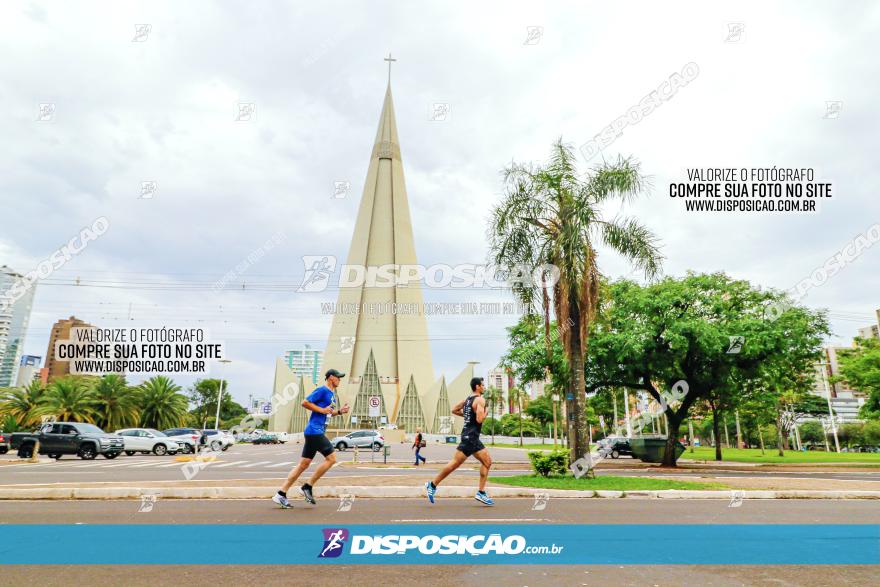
(739, 443)
(830, 411)
(616, 425)
(555, 398)
(629, 428)
(220, 396)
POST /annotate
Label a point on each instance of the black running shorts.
(470, 445)
(316, 443)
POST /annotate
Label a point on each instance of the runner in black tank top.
(473, 410)
(470, 431)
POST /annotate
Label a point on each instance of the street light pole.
(219, 397)
(830, 411)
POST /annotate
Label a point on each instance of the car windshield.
(155, 432)
(89, 429)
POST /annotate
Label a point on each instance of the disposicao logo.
(334, 541)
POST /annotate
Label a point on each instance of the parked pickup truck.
(68, 438)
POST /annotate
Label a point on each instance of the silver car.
(361, 439)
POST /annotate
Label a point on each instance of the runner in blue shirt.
(321, 403)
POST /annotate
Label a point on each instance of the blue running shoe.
(431, 489)
(483, 497)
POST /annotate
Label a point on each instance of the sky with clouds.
(160, 106)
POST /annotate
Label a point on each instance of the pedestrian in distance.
(418, 444)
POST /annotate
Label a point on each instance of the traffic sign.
(374, 403)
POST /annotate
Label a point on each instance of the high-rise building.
(28, 370)
(15, 313)
(873, 330)
(306, 362)
(383, 345)
(502, 380)
(60, 331)
(845, 402)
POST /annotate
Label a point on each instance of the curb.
(368, 492)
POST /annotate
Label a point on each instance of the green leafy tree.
(162, 404)
(520, 399)
(24, 405)
(860, 368)
(851, 434)
(675, 340)
(116, 405)
(493, 397)
(871, 433)
(812, 433)
(551, 215)
(203, 394)
(540, 410)
(71, 399)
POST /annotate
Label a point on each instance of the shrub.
(546, 463)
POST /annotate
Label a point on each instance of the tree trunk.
(716, 430)
(761, 440)
(780, 440)
(575, 418)
(672, 425)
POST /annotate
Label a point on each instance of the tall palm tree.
(116, 403)
(24, 404)
(162, 404)
(520, 399)
(70, 399)
(492, 395)
(550, 215)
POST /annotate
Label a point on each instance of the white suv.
(147, 440)
(218, 439)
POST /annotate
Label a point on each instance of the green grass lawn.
(602, 482)
(753, 455)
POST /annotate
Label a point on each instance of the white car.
(147, 440)
(218, 439)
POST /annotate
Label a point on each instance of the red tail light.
(381, 438)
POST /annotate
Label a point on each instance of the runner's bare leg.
(457, 460)
(329, 461)
(295, 473)
(485, 462)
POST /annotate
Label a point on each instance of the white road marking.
(256, 464)
(280, 465)
(221, 465)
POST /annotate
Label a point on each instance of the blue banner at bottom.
(454, 544)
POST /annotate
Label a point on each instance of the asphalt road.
(246, 461)
(418, 511)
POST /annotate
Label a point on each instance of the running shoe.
(431, 489)
(307, 493)
(281, 500)
(483, 497)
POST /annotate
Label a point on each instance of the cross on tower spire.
(389, 60)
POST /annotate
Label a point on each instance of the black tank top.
(471, 428)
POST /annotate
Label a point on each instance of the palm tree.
(24, 404)
(551, 216)
(162, 404)
(116, 403)
(520, 399)
(492, 395)
(70, 399)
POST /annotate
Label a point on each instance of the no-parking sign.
(375, 401)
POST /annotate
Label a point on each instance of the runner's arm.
(316, 408)
(457, 409)
(480, 412)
